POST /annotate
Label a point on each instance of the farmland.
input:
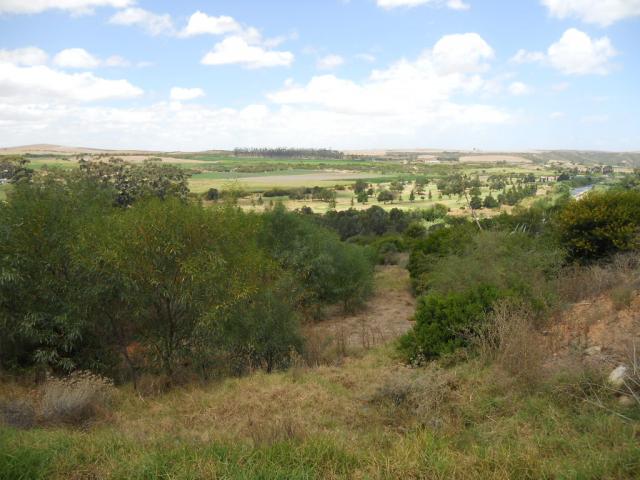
(255, 175)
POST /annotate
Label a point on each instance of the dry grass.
(622, 273)
(75, 399)
(510, 340)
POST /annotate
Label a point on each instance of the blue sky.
(351, 74)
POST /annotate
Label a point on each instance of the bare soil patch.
(387, 315)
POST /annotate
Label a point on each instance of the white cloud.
(237, 50)
(577, 54)
(75, 58)
(599, 12)
(24, 56)
(152, 23)
(41, 83)
(556, 115)
(453, 4)
(519, 89)
(74, 6)
(574, 54)
(200, 24)
(116, 61)
(523, 56)
(414, 93)
(330, 62)
(417, 102)
(81, 59)
(181, 94)
(462, 53)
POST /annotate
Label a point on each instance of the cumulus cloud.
(418, 91)
(152, 23)
(465, 52)
(201, 24)
(578, 54)
(182, 94)
(41, 83)
(453, 4)
(24, 56)
(75, 58)
(599, 12)
(329, 62)
(523, 56)
(237, 50)
(79, 58)
(73, 6)
(419, 101)
(574, 54)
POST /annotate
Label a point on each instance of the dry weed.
(509, 340)
(75, 399)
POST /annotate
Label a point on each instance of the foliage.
(132, 182)
(444, 321)
(184, 270)
(329, 270)
(386, 196)
(38, 276)
(600, 224)
(14, 169)
(212, 195)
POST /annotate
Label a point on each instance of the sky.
(347, 74)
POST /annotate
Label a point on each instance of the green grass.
(485, 427)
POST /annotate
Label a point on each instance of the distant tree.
(490, 202)
(132, 182)
(212, 194)
(363, 197)
(385, 196)
(475, 203)
(431, 196)
(360, 186)
(415, 230)
(412, 196)
(14, 169)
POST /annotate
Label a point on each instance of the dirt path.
(387, 315)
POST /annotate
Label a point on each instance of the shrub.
(75, 399)
(444, 321)
(601, 224)
(516, 263)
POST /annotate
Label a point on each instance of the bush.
(601, 224)
(75, 399)
(445, 321)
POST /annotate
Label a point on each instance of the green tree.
(490, 202)
(601, 224)
(40, 321)
(475, 203)
(385, 196)
(183, 270)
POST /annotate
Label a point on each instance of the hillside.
(358, 414)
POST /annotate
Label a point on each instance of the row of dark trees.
(288, 153)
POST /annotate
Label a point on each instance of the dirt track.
(387, 315)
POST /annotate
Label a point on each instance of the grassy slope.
(320, 424)
(348, 420)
